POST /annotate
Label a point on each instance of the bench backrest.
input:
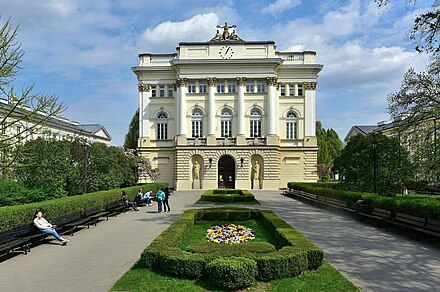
(69, 218)
(7, 236)
(381, 213)
(433, 225)
(91, 211)
(413, 220)
(26, 229)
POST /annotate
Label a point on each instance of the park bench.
(72, 221)
(421, 225)
(9, 242)
(377, 215)
(114, 208)
(29, 232)
(94, 214)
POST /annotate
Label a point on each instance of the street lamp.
(374, 145)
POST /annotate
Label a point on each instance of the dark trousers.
(165, 205)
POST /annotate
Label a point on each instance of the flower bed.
(229, 234)
(295, 255)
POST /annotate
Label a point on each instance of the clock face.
(226, 52)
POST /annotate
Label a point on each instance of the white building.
(229, 113)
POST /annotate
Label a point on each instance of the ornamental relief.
(181, 82)
(212, 81)
(241, 81)
(271, 81)
(309, 85)
(144, 87)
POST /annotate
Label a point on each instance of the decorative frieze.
(211, 81)
(309, 85)
(271, 81)
(144, 87)
(241, 81)
(182, 82)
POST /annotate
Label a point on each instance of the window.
(250, 87)
(255, 123)
(220, 87)
(283, 90)
(300, 90)
(202, 87)
(162, 91)
(261, 87)
(153, 91)
(232, 87)
(197, 123)
(162, 126)
(191, 88)
(291, 126)
(226, 123)
(170, 91)
(292, 90)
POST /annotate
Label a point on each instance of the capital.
(271, 81)
(309, 85)
(181, 82)
(212, 81)
(241, 81)
(143, 87)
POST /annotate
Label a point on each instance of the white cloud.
(279, 6)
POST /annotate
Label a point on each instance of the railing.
(291, 56)
(255, 141)
(161, 58)
(226, 141)
(196, 141)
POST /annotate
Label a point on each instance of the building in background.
(229, 113)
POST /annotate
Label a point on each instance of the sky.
(83, 50)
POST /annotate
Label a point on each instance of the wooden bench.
(9, 242)
(306, 195)
(94, 214)
(378, 215)
(29, 232)
(72, 221)
(425, 226)
(114, 208)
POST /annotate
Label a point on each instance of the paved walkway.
(94, 259)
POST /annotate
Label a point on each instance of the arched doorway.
(226, 172)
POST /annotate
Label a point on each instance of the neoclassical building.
(229, 113)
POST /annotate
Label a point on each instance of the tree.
(25, 112)
(426, 27)
(329, 144)
(131, 139)
(417, 108)
(374, 162)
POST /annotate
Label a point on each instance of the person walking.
(160, 196)
(47, 228)
(165, 201)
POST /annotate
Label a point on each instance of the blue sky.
(83, 50)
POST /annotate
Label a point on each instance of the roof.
(95, 128)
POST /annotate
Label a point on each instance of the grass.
(198, 234)
(326, 278)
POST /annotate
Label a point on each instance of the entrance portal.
(226, 172)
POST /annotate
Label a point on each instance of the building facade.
(228, 113)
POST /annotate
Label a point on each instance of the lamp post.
(374, 145)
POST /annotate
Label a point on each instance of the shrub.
(232, 273)
(227, 196)
(232, 249)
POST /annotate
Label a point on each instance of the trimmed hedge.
(295, 253)
(232, 273)
(227, 196)
(421, 206)
(12, 216)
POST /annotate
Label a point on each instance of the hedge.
(232, 273)
(421, 206)
(12, 216)
(295, 253)
(227, 196)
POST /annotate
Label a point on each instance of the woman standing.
(165, 202)
(160, 197)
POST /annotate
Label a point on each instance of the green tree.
(131, 139)
(417, 107)
(329, 144)
(26, 112)
(363, 156)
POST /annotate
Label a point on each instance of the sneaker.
(64, 241)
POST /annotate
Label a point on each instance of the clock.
(226, 52)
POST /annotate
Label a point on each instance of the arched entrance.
(226, 172)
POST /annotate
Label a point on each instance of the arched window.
(255, 123)
(291, 121)
(162, 126)
(226, 123)
(197, 123)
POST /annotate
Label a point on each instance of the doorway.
(226, 173)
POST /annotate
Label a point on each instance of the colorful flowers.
(230, 234)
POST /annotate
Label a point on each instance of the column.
(182, 84)
(212, 84)
(144, 114)
(241, 87)
(287, 88)
(310, 108)
(272, 111)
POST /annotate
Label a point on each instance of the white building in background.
(56, 127)
(229, 113)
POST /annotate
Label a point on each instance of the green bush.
(421, 206)
(228, 196)
(232, 273)
(14, 193)
(12, 216)
(232, 249)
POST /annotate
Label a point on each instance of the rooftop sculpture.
(226, 35)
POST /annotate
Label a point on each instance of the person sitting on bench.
(46, 227)
(147, 198)
(124, 199)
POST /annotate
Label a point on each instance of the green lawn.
(198, 234)
(326, 278)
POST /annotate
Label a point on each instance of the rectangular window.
(202, 87)
(300, 90)
(250, 87)
(191, 88)
(261, 87)
(197, 130)
(255, 129)
(170, 91)
(290, 130)
(162, 91)
(220, 87)
(153, 91)
(283, 90)
(162, 131)
(226, 129)
(292, 90)
(232, 88)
